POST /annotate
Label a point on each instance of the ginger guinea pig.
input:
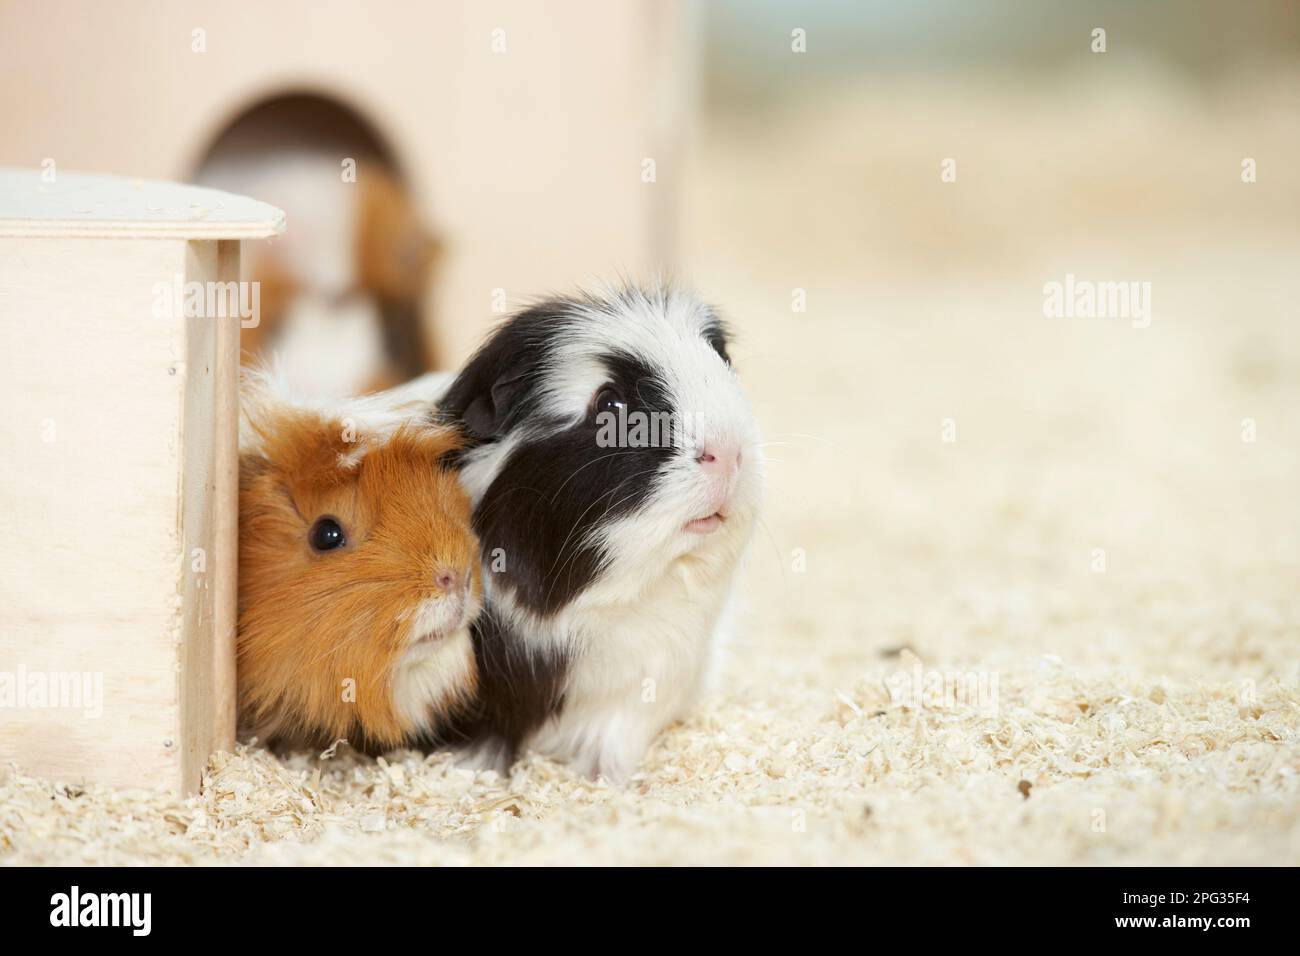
(358, 572)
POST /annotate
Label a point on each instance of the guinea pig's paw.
(490, 753)
(605, 755)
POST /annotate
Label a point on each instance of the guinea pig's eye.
(326, 535)
(609, 399)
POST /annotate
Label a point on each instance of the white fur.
(269, 390)
(331, 346)
(431, 676)
(644, 635)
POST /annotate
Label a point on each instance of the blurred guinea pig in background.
(341, 290)
(358, 572)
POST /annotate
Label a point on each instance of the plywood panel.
(93, 387)
(93, 206)
(208, 520)
(117, 584)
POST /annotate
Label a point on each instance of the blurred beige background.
(1157, 695)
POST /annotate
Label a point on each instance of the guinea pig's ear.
(296, 441)
(481, 397)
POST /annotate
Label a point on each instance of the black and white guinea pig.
(608, 565)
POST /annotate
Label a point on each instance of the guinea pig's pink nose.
(719, 459)
(446, 580)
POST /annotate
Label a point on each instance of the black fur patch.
(498, 388)
(518, 689)
(554, 491)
